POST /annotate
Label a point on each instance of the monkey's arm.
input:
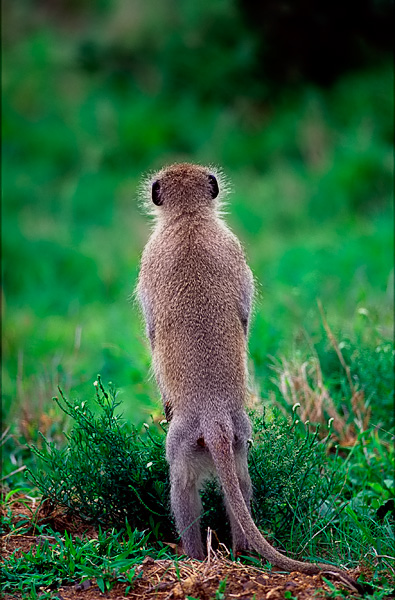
(247, 293)
(148, 313)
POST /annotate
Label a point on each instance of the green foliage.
(358, 512)
(370, 479)
(292, 477)
(106, 473)
(60, 560)
(7, 500)
(371, 366)
(87, 110)
(377, 589)
(316, 503)
(220, 592)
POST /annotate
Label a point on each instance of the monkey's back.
(192, 285)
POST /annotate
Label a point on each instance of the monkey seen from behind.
(196, 291)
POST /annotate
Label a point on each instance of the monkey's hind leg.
(239, 540)
(186, 506)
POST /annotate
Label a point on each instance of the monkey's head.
(184, 189)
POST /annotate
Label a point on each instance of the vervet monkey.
(196, 292)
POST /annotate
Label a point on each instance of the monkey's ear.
(214, 186)
(156, 193)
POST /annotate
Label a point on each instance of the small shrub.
(108, 473)
(292, 478)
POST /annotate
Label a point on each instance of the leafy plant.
(60, 560)
(220, 592)
(292, 477)
(106, 473)
(378, 588)
(7, 500)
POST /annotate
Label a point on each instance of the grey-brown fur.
(196, 292)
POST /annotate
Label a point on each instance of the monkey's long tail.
(221, 451)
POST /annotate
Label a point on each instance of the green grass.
(311, 177)
(59, 560)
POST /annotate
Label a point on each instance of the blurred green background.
(294, 102)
